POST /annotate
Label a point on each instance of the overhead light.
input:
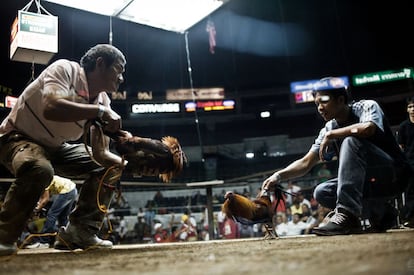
(264, 114)
(171, 15)
(249, 155)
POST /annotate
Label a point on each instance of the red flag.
(211, 35)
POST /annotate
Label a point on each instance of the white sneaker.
(37, 245)
(76, 236)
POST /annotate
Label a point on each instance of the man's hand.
(112, 122)
(326, 150)
(270, 182)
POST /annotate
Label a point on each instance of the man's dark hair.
(410, 100)
(109, 53)
(332, 92)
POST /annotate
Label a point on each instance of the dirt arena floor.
(386, 253)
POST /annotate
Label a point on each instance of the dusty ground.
(387, 253)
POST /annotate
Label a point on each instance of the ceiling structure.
(175, 15)
(261, 46)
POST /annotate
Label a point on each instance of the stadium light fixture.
(171, 15)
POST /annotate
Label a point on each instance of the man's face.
(327, 105)
(410, 109)
(113, 76)
(117, 69)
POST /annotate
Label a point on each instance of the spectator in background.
(288, 214)
(405, 138)
(221, 217)
(230, 229)
(296, 226)
(175, 234)
(142, 229)
(303, 200)
(149, 216)
(160, 234)
(64, 194)
(281, 226)
(122, 230)
(296, 204)
(291, 189)
(188, 227)
(204, 222)
(308, 218)
(314, 204)
(140, 213)
(158, 198)
(405, 133)
(324, 173)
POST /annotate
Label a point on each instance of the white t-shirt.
(62, 78)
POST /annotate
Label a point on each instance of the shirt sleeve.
(369, 111)
(317, 143)
(57, 79)
(330, 125)
(104, 99)
(63, 79)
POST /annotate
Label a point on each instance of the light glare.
(171, 15)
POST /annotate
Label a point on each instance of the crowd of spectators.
(296, 215)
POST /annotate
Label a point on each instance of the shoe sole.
(72, 246)
(37, 247)
(330, 233)
(66, 247)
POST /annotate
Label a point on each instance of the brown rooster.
(249, 212)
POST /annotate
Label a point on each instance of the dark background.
(262, 46)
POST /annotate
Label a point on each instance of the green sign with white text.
(384, 76)
(38, 23)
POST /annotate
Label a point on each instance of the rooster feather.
(258, 210)
(247, 211)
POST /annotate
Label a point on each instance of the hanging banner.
(33, 37)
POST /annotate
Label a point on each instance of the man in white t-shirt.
(37, 140)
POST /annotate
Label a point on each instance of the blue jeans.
(58, 212)
(367, 176)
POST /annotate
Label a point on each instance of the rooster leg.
(270, 232)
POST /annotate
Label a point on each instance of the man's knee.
(325, 194)
(351, 142)
(317, 193)
(40, 171)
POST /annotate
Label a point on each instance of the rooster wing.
(247, 211)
